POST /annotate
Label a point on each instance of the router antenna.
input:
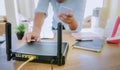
(8, 40)
(59, 44)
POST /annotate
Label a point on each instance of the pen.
(84, 40)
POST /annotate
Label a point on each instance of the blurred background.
(98, 13)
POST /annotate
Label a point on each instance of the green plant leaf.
(20, 28)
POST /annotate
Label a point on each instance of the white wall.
(113, 8)
(26, 8)
(2, 8)
(11, 11)
(92, 4)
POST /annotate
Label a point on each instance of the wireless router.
(43, 52)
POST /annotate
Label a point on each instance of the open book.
(92, 45)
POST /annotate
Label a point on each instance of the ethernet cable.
(30, 59)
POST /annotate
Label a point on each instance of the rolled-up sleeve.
(42, 6)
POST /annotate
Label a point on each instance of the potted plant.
(20, 30)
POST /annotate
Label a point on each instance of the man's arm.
(35, 34)
(38, 22)
(40, 15)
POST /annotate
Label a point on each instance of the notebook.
(91, 45)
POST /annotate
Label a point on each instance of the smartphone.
(65, 10)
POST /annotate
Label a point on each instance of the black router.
(43, 51)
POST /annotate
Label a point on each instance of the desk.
(108, 59)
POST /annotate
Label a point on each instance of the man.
(71, 21)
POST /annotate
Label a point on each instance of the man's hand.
(31, 36)
(69, 19)
(66, 18)
(35, 34)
